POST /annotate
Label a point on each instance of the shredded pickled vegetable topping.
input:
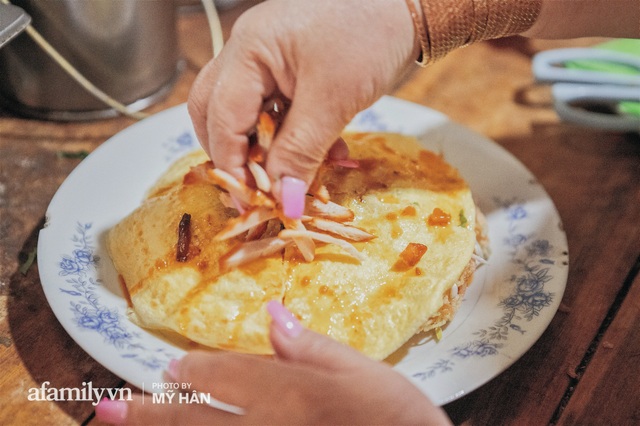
(260, 214)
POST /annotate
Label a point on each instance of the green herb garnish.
(82, 154)
(24, 268)
(463, 218)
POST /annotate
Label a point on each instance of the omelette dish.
(386, 248)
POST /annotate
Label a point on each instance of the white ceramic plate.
(508, 306)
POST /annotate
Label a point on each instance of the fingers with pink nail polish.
(172, 369)
(112, 411)
(293, 343)
(293, 193)
(284, 320)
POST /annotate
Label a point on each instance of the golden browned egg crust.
(418, 207)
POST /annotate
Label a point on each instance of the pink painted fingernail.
(293, 193)
(172, 369)
(347, 163)
(112, 411)
(284, 319)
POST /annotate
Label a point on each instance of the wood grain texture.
(594, 179)
(606, 385)
(584, 368)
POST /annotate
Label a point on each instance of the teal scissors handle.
(575, 87)
(567, 96)
(547, 67)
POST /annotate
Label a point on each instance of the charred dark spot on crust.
(184, 238)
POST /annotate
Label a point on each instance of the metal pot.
(127, 48)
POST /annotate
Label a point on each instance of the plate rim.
(434, 117)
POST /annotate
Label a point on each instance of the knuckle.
(298, 152)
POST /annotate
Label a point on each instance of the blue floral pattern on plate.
(79, 270)
(525, 302)
(179, 145)
(531, 256)
(499, 318)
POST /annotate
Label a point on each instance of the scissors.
(574, 89)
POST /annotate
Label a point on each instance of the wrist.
(449, 24)
(421, 50)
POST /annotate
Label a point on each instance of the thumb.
(302, 143)
(292, 342)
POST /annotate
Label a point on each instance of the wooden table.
(585, 369)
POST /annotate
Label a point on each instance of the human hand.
(331, 58)
(312, 380)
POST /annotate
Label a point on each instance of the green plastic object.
(623, 45)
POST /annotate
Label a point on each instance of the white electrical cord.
(216, 39)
